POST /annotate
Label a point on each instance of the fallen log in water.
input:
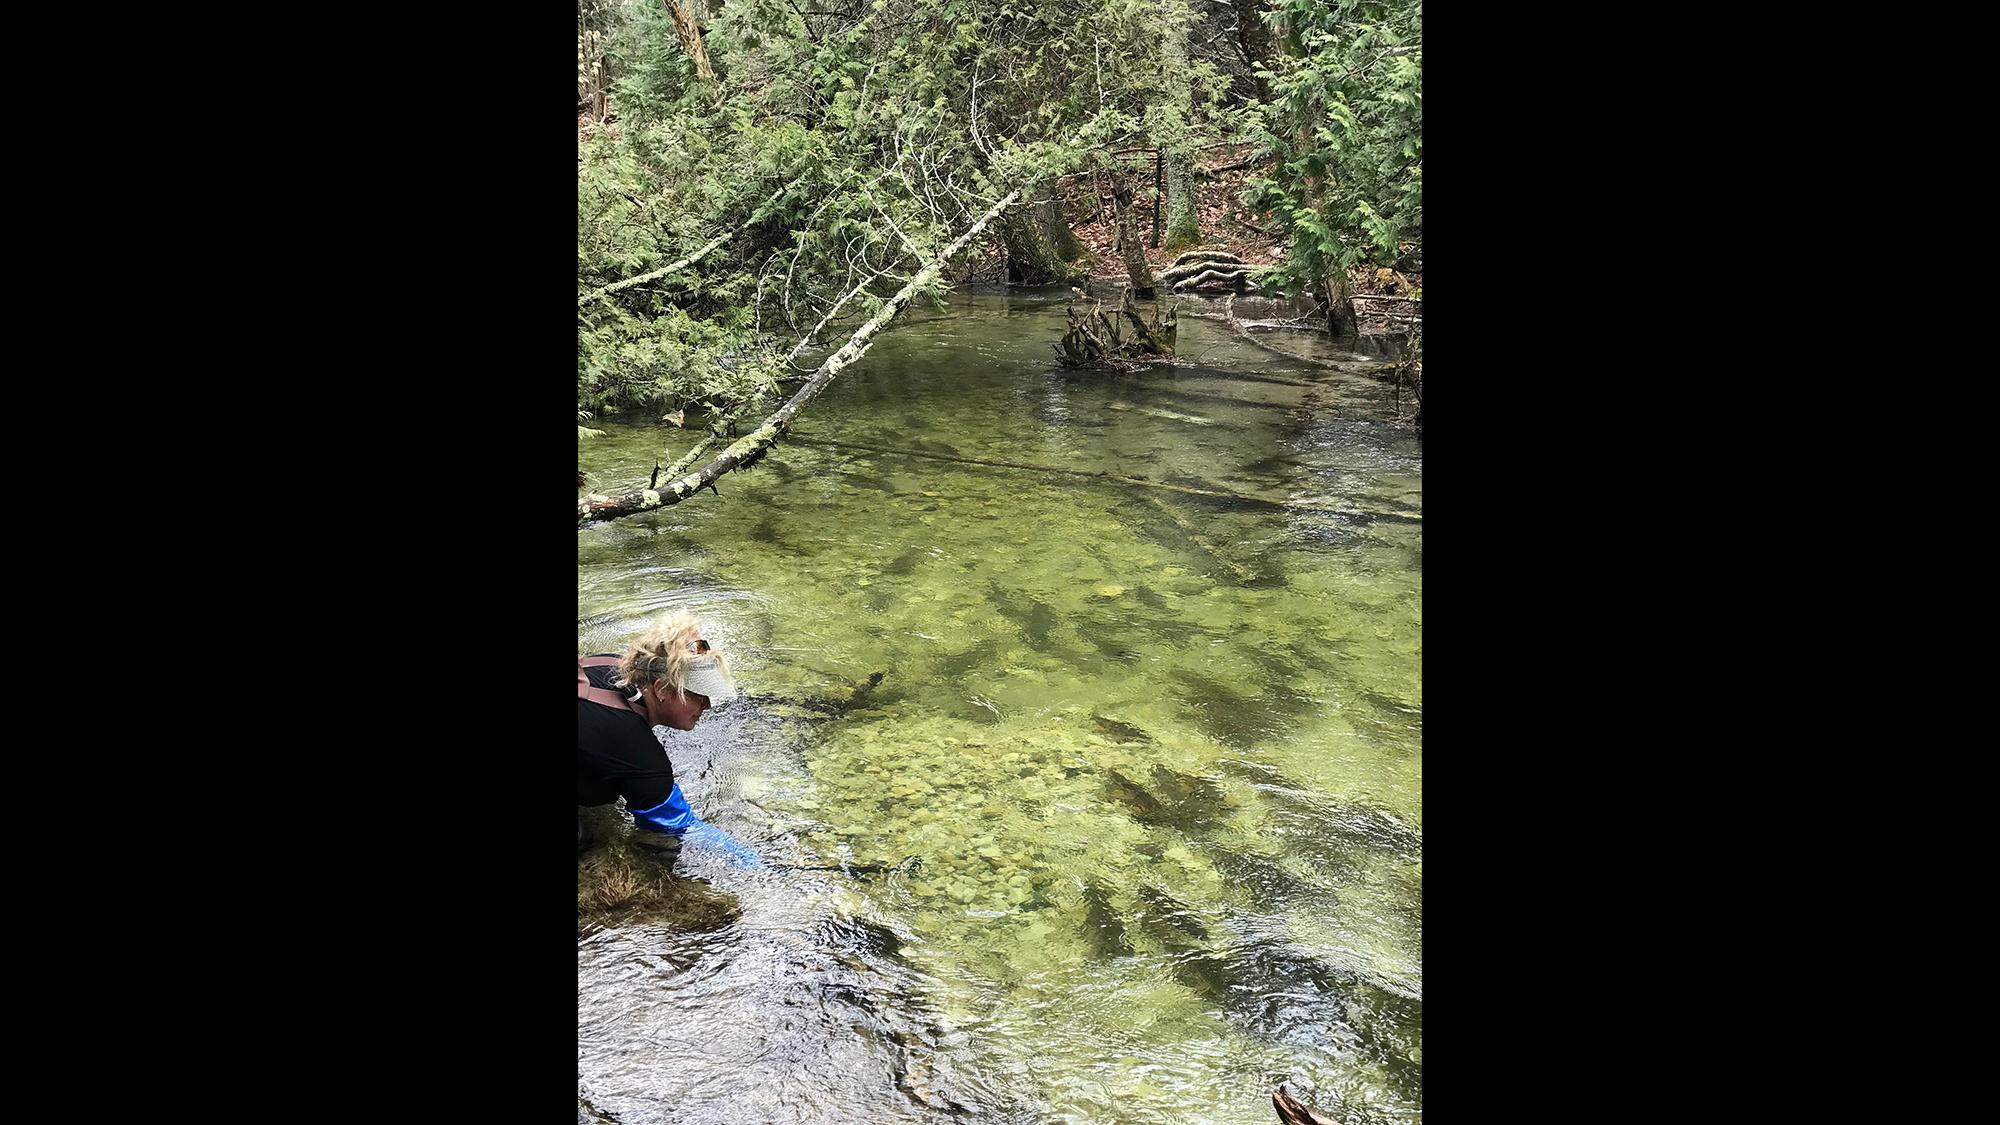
(1372, 370)
(1240, 377)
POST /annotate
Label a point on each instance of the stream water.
(1131, 826)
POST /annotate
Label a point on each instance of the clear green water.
(1159, 757)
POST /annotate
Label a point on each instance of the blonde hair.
(663, 655)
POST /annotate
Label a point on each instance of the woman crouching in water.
(669, 677)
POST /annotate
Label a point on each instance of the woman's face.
(681, 713)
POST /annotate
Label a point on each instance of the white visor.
(705, 678)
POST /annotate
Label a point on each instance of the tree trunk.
(1254, 36)
(1176, 141)
(1183, 228)
(1159, 198)
(1136, 269)
(1055, 229)
(1340, 321)
(752, 449)
(1035, 253)
(682, 12)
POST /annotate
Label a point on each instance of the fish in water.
(979, 655)
(872, 940)
(1276, 463)
(1278, 992)
(1107, 641)
(1185, 803)
(1123, 732)
(1164, 914)
(766, 531)
(906, 562)
(1330, 831)
(1145, 807)
(869, 480)
(1186, 789)
(1101, 924)
(1266, 881)
(841, 701)
(1035, 621)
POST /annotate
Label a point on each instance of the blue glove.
(673, 817)
(709, 836)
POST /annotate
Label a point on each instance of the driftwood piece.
(1180, 270)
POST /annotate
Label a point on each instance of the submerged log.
(1375, 370)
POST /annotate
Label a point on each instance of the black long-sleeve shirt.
(617, 754)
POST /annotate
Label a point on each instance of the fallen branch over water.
(663, 271)
(673, 267)
(751, 449)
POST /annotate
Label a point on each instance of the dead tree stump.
(1098, 338)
